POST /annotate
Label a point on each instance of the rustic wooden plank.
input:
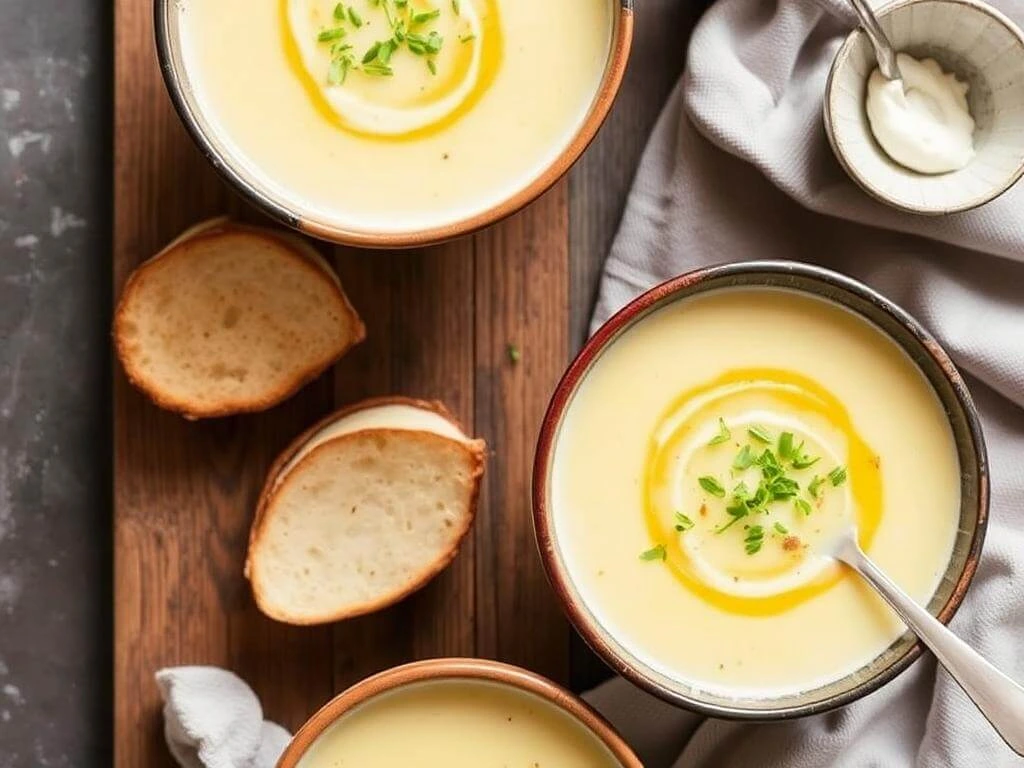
(183, 492)
(418, 310)
(439, 321)
(522, 293)
(601, 180)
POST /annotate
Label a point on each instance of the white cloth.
(212, 719)
(739, 168)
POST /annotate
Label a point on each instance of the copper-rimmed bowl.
(457, 669)
(948, 385)
(230, 165)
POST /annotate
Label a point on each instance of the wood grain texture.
(438, 321)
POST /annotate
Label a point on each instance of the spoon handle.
(998, 697)
(884, 51)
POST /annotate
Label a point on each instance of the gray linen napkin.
(739, 168)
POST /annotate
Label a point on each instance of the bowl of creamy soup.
(704, 451)
(457, 713)
(392, 123)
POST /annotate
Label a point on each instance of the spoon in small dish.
(884, 51)
(999, 698)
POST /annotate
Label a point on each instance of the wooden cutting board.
(439, 322)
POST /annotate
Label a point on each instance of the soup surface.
(457, 724)
(709, 460)
(394, 115)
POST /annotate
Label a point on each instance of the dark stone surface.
(55, 606)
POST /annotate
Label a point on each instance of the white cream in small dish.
(984, 49)
(922, 121)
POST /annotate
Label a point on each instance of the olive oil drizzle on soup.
(707, 460)
(394, 123)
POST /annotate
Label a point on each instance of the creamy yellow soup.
(708, 462)
(393, 116)
(458, 724)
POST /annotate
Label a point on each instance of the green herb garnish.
(712, 486)
(399, 16)
(760, 434)
(654, 553)
(422, 17)
(814, 487)
(802, 506)
(723, 432)
(781, 529)
(754, 539)
(327, 35)
(744, 459)
(513, 353)
(837, 476)
(683, 523)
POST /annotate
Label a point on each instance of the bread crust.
(306, 257)
(476, 450)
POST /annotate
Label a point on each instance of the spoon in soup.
(999, 698)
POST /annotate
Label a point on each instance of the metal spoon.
(884, 51)
(998, 697)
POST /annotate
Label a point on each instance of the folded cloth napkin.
(212, 719)
(738, 168)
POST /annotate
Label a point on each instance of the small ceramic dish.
(953, 396)
(975, 42)
(456, 669)
(287, 208)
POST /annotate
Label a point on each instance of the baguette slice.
(231, 319)
(362, 510)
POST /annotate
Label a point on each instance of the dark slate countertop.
(55, 607)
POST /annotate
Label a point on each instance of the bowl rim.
(263, 198)
(662, 295)
(841, 59)
(458, 668)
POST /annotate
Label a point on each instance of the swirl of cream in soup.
(793, 533)
(409, 93)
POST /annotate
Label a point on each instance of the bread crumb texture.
(231, 320)
(361, 522)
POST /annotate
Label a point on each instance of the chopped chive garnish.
(712, 486)
(744, 459)
(754, 539)
(683, 523)
(760, 434)
(327, 35)
(723, 434)
(654, 553)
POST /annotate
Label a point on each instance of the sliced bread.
(362, 510)
(230, 319)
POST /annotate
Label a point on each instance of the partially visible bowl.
(457, 669)
(951, 393)
(978, 44)
(263, 189)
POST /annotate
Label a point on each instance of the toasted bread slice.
(362, 510)
(231, 319)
